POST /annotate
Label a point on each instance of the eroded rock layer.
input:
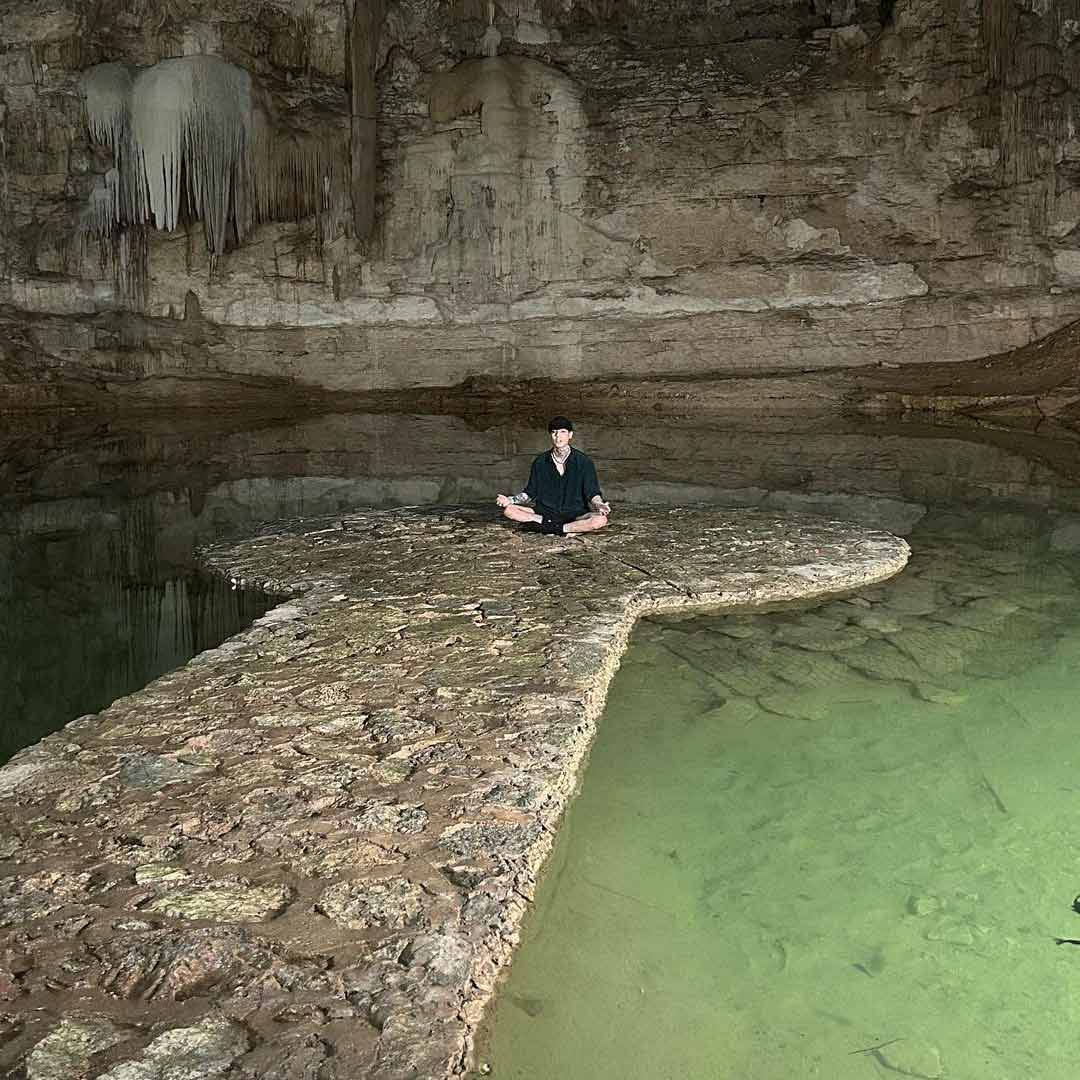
(564, 189)
(310, 849)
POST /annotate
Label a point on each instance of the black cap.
(557, 422)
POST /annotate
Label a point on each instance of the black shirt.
(566, 494)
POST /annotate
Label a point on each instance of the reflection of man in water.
(562, 487)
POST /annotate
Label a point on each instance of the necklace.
(560, 456)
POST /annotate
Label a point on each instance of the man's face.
(561, 437)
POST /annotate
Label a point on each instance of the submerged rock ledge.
(308, 852)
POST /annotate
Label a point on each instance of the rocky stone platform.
(307, 853)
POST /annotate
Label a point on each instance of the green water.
(830, 843)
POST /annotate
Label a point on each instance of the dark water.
(91, 609)
(100, 589)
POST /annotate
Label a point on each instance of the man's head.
(561, 429)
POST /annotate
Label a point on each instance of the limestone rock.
(445, 955)
(940, 650)
(175, 964)
(1066, 534)
(940, 695)
(155, 771)
(205, 1051)
(391, 817)
(394, 904)
(815, 639)
(915, 597)
(879, 621)
(547, 204)
(43, 893)
(912, 1058)
(467, 839)
(160, 874)
(800, 706)
(224, 902)
(981, 613)
(66, 1053)
(881, 660)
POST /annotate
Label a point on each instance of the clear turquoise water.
(832, 843)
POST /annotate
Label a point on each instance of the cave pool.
(837, 842)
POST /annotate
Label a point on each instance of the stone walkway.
(307, 853)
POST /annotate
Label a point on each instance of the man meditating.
(562, 488)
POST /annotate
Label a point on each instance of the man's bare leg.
(588, 523)
(521, 514)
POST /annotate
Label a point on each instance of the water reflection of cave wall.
(93, 608)
(202, 484)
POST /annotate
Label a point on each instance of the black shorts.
(557, 517)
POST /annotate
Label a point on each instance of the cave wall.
(565, 189)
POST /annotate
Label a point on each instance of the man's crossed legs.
(555, 524)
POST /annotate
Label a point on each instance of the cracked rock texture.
(576, 189)
(377, 768)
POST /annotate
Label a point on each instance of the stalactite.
(107, 89)
(192, 139)
(365, 31)
(5, 195)
(469, 9)
(194, 121)
(129, 251)
(1033, 82)
(309, 175)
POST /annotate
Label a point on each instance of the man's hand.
(601, 507)
(502, 500)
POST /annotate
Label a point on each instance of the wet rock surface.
(308, 852)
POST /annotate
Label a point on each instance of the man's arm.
(590, 488)
(532, 488)
(527, 495)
